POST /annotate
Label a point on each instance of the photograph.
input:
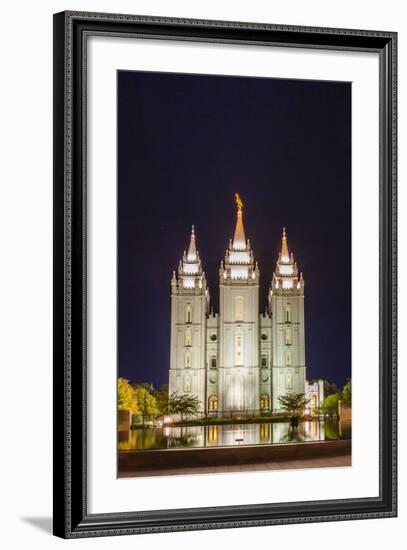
(234, 290)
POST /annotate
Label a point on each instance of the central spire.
(239, 239)
(191, 256)
(239, 261)
(285, 256)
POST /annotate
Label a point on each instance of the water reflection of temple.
(226, 435)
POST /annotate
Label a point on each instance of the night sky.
(186, 144)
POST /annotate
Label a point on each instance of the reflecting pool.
(224, 435)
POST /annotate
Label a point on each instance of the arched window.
(238, 349)
(188, 360)
(213, 362)
(213, 403)
(188, 337)
(187, 384)
(264, 402)
(238, 308)
(288, 337)
(188, 313)
(288, 357)
(289, 381)
(288, 313)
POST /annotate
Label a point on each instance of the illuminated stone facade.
(238, 361)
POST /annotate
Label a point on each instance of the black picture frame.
(71, 518)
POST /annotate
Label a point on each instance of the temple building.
(239, 361)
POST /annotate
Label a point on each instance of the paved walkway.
(326, 462)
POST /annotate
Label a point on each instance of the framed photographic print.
(224, 274)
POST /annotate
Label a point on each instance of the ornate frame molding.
(71, 30)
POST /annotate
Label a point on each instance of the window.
(213, 362)
(288, 337)
(264, 360)
(188, 313)
(188, 360)
(288, 357)
(188, 337)
(238, 308)
(264, 402)
(213, 403)
(288, 313)
(238, 349)
(289, 381)
(187, 384)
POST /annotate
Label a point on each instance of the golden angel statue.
(239, 201)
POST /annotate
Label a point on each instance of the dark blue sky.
(186, 144)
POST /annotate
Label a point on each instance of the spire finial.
(239, 202)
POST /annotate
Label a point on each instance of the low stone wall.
(134, 461)
(344, 411)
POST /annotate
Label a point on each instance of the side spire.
(239, 239)
(286, 277)
(191, 277)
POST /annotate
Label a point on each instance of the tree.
(330, 404)
(161, 397)
(146, 402)
(189, 405)
(183, 405)
(347, 392)
(293, 403)
(147, 386)
(126, 397)
(174, 403)
(329, 389)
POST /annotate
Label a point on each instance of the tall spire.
(239, 239)
(191, 256)
(239, 260)
(285, 256)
